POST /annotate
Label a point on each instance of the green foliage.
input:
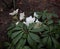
(43, 37)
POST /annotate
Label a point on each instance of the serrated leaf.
(20, 24)
(39, 14)
(35, 37)
(16, 39)
(49, 16)
(31, 42)
(44, 16)
(50, 22)
(36, 30)
(21, 43)
(51, 28)
(44, 40)
(56, 43)
(13, 35)
(25, 36)
(15, 29)
(10, 47)
(11, 26)
(46, 27)
(9, 33)
(49, 42)
(31, 26)
(45, 34)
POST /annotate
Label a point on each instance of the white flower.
(29, 20)
(14, 12)
(35, 14)
(37, 20)
(22, 16)
(17, 23)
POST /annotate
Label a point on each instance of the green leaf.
(21, 43)
(31, 25)
(9, 33)
(22, 27)
(26, 47)
(59, 22)
(55, 15)
(45, 34)
(39, 14)
(20, 24)
(13, 35)
(51, 28)
(37, 29)
(14, 29)
(56, 43)
(35, 37)
(49, 16)
(31, 41)
(44, 40)
(46, 27)
(25, 36)
(50, 22)
(10, 47)
(11, 26)
(17, 38)
(44, 16)
(49, 42)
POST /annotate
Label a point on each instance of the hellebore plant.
(35, 34)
